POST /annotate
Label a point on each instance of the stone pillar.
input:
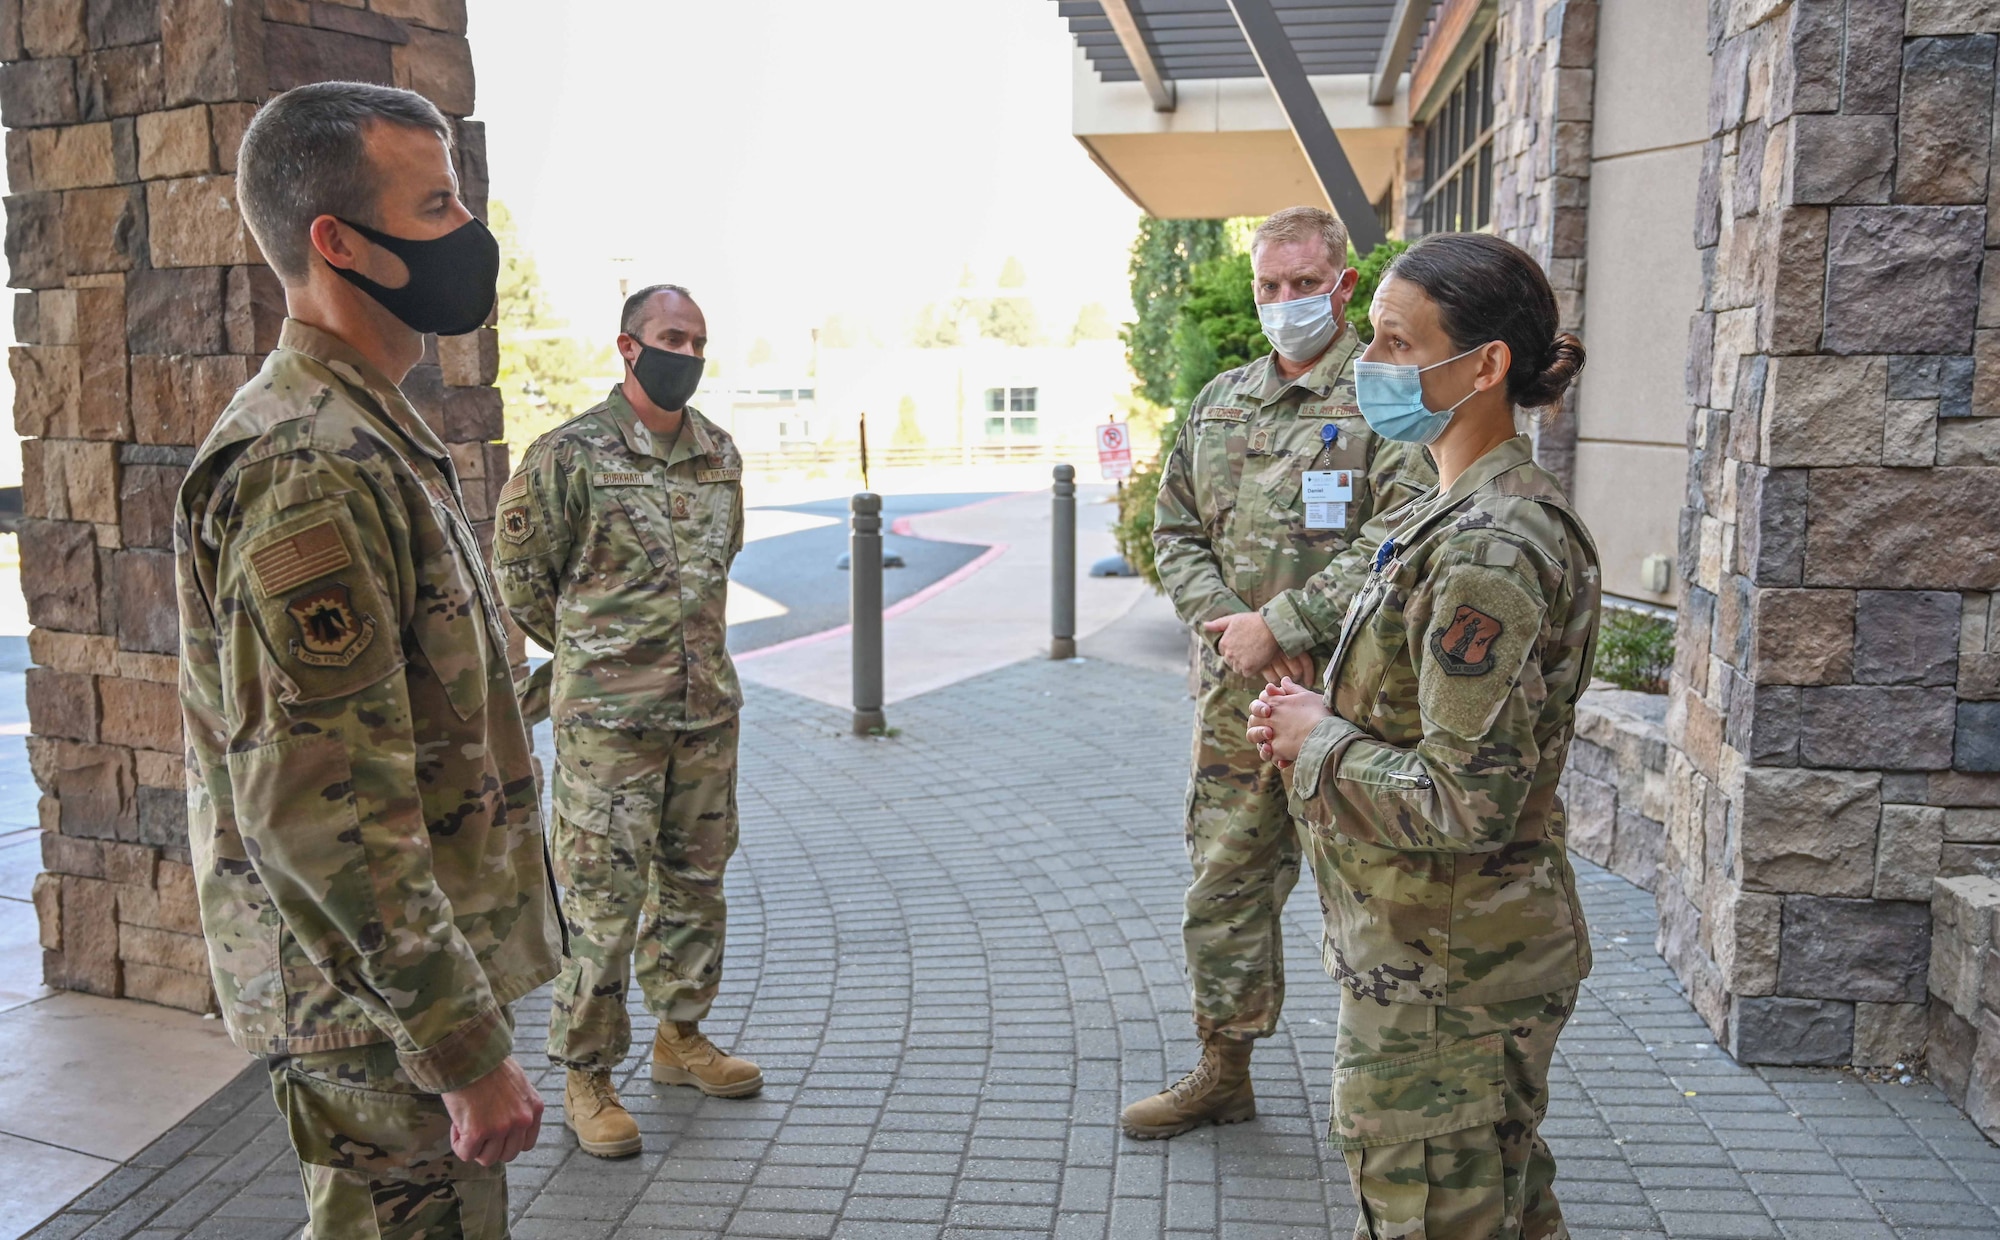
(1544, 83)
(143, 305)
(1835, 722)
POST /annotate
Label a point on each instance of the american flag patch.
(516, 487)
(305, 556)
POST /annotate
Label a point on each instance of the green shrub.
(1371, 269)
(1635, 649)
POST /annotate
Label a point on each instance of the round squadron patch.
(330, 633)
(1464, 647)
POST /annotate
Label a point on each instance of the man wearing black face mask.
(373, 882)
(612, 549)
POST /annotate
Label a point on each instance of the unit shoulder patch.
(515, 525)
(289, 562)
(330, 633)
(1464, 645)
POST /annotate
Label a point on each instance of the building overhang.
(1226, 149)
(1200, 109)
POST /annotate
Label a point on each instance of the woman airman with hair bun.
(1425, 776)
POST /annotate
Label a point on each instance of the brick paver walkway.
(955, 953)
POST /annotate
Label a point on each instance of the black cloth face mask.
(667, 378)
(454, 279)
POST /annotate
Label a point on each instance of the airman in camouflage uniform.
(1436, 835)
(367, 843)
(613, 551)
(1233, 536)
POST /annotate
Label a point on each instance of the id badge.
(1327, 492)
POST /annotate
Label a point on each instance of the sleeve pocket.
(321, 609)
(1416, 1097)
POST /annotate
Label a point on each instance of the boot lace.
(597, 1088)
(1198, 1079)
(692, 1045)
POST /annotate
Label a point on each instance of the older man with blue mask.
(1271, 478)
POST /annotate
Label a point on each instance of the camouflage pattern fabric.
(645, 823)
(612, 550)
(1434, 827)
(1437, 1110)
(1244, 850)
(375, 1152)
(367, 845)
(1231, 536)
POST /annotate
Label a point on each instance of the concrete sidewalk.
(956, 953)
(992, 612)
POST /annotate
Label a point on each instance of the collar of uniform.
(689, 443)
(1512, 454)
(1318, 380)
(345, 361)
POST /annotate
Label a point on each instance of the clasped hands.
(1281, 717)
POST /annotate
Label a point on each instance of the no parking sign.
(1114, 451)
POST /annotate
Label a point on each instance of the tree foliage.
(546, 375)
(1162, 256)
(1371, 269)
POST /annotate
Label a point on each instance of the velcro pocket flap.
(1416, 1097)
(581, 802)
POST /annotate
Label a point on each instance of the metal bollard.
(1062, 580)
(864, 605)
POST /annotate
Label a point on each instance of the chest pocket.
(456, 624)
(636, 496)
(711, 503)
(1375, 683)
(1221, 447)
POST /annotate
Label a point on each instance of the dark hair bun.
(1564, 361)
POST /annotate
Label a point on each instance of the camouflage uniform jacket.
(361, 806)
(1230, 526)
(1431, 794)
(612, 550)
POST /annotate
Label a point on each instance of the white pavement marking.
(991, 613)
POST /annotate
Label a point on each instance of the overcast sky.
(787, 159)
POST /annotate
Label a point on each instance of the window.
(1458, 153)
(1011, 400)
(996, 428)
(1024, 428)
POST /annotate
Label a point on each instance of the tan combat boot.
(683, 1056)
(1216, 1092)
(592, 1111)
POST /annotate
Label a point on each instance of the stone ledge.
(1965, 982)
(1615, 786)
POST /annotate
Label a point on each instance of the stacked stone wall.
(142, 305)
(1614, 786)
(1835, 723)
(1965, 996)
(1544, 91)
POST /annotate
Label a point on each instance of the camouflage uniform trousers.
(1244, 847)
(375, 1152)
(1437, 1111)
(645, 823)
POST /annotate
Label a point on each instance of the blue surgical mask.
(1392, 399)
(1300, 329)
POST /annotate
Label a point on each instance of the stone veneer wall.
(1835, 727)
(144, 304)
(1544, 85)
(1965, 995)
(1615, 784)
